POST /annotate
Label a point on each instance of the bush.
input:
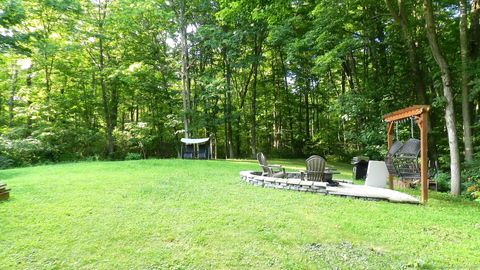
(5, 163)
(471, 178)
(443, 181)
(22, 152)
(133, 156)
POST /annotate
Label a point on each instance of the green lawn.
(162, 214)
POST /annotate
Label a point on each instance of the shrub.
(133, 156)
(22, 152)
(471, 178)
(443, 181)
(5, 163)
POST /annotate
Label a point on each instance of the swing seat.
(389, 157)
(410, 149)
(406, 160)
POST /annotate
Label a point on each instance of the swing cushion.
(389, 157)
(394, 148)
(410, 149)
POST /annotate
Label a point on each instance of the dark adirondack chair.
(315, 168)
(270, 170)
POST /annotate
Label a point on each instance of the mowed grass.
(184, 214)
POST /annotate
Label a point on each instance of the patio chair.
(315, 168)
(270, 170)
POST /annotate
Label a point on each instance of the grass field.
(175, 214)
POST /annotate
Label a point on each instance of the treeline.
(115, 78)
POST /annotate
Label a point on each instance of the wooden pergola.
(420, 114)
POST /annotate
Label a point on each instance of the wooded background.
(95, 79)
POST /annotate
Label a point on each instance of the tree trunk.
(474, 43)
(475, 29)
(11, 100)
(287, 95)
(105, 101)
(107, 110)
(467, 134)
(184, 71)
(447, 92)
(307, 112)
(258, 53)
(228, 107)
(253, 131)
(416, 72)
(29, 102)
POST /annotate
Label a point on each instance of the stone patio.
(344, 189)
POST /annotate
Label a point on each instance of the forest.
(126, 79)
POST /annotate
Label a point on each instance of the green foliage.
(133, 156)
(12, 12)
(323, 72)
(5, 163)
(471, 179)
(23, 152)
(443, 181)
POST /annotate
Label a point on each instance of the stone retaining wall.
(256, 179)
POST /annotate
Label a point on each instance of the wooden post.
(424, 155)
(390, 142)
(210, 148)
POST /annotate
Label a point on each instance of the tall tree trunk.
(398, 14)
(447, 92)
(258, 52)
(29, 102)
(11, 100)
(475, 43)
(184, 71)
(475, 30)
(105, 101)
(348, 72)
(253, 130)
(228, 107)
(307, 112)
(287, 95)
(107, 110)
(467, 134)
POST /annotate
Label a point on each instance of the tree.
(98, 52)
(400, 16)
(467, 132)
(447, 92)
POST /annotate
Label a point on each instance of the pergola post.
(422, 122)
(390, 142)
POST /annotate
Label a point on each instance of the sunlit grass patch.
(187, 214)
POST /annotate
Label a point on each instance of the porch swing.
(408, 160)
(402, 159)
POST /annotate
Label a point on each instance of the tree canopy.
(83, 79)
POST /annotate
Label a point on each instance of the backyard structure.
(418, 113)
(196, 148)
(4, 192)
